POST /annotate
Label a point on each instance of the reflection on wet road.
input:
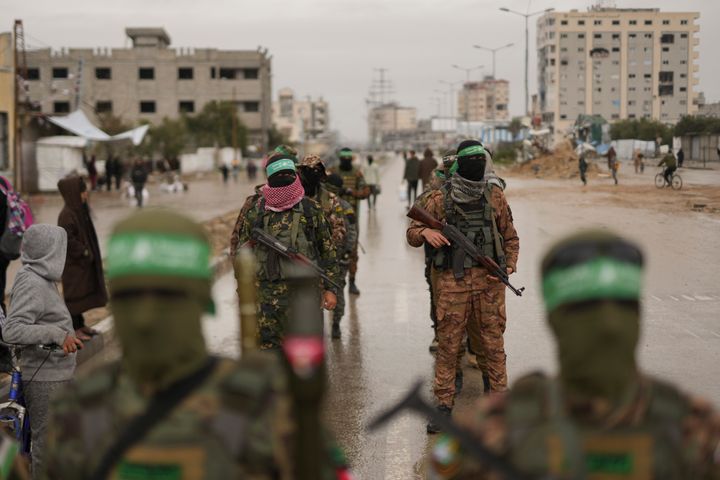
(386, 330)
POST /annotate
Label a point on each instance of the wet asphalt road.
(386, 330)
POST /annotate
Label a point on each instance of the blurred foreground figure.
(168, 409)
(601, 418)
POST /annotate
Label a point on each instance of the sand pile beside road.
(562, 162)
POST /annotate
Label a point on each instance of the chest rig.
(294, 228)
(546, 440)
(476, 221)
(350, 181)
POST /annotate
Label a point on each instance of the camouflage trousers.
(474, 305)
(272, 312)
(342, 281)
(353, 261)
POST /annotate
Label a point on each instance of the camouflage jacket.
(314, 222)
(235, 425)
(435, 204)
(354, 183)
(624, 441)
(330, 204)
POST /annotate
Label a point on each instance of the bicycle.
(13, 413)
(676, 180)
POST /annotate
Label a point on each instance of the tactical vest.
(350, 181)
(296, 229)
(545, 441)
(228, 438)
(477, 222)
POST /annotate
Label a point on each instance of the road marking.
(703, 298)
(674, 298)
(688, 297)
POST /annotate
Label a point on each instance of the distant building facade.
(618, 63)
(151, 81)
(484, 100)
(300, 120)
(7, 101)
(390, 119)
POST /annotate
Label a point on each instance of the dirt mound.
(560, 163)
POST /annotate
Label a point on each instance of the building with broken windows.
(150, 81)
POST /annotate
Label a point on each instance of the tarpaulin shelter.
(78, 123)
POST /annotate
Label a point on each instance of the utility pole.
(78, 84)
(466, 87)
(234, 128)
(20, 70)
(493, 51)
(527, 15)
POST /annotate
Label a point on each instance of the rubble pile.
(562, 162)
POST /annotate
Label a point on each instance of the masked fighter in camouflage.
(281, 209)
(600, 418)
(354, 190)
(167, 409)
(465, 290)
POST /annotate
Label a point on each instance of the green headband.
(345, 154)
(451, 171)
(471, 150)
(284, 164)
(600, 278)
(142, 253)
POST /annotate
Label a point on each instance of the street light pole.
(466, 87)
(527, 15)
(493, 51)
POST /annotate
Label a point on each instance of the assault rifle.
(413, 401)
(264, 238)
(455, 236)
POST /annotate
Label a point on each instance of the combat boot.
(336, 329)
(458, 381)
(353, 288)
(443, 410)
(486, 384)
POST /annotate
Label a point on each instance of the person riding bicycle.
(670, 166)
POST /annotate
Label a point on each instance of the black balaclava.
(471, 161)
(346, 158)
(310, 179)
(283, 178)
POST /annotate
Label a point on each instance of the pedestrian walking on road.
(427, 167)
(354, 190)
(118, 172)
(611, 157)
(614, 169)
(38, 316)
(83, 278)
(372, 179)
(138, 177)
(109, 171)
(225, 171)
(91, 167)
(680, 158)
(280, 208)
(412, 176)
(251, 169)
(472, 201)
(582, 166)
(638, 161)
(601, 414)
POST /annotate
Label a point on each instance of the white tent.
(57, 157)
(78, 123)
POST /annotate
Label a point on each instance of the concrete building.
(300, 120)
(7, 101)
(618, 63)
(485, 100)
(709, 109)
(389, 119)
(150, 81)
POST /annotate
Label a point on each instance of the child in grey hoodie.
(37, 316)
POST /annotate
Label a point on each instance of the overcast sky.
(330, 47)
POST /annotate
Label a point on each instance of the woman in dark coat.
(83, 280)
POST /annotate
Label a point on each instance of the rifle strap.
(497, 238)
(159, 408)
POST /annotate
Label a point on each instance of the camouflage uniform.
(330, 203)
(314, 239)
(657, 433)
(473, 298)
(354, 182)
(344, 253)
(235, 425)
